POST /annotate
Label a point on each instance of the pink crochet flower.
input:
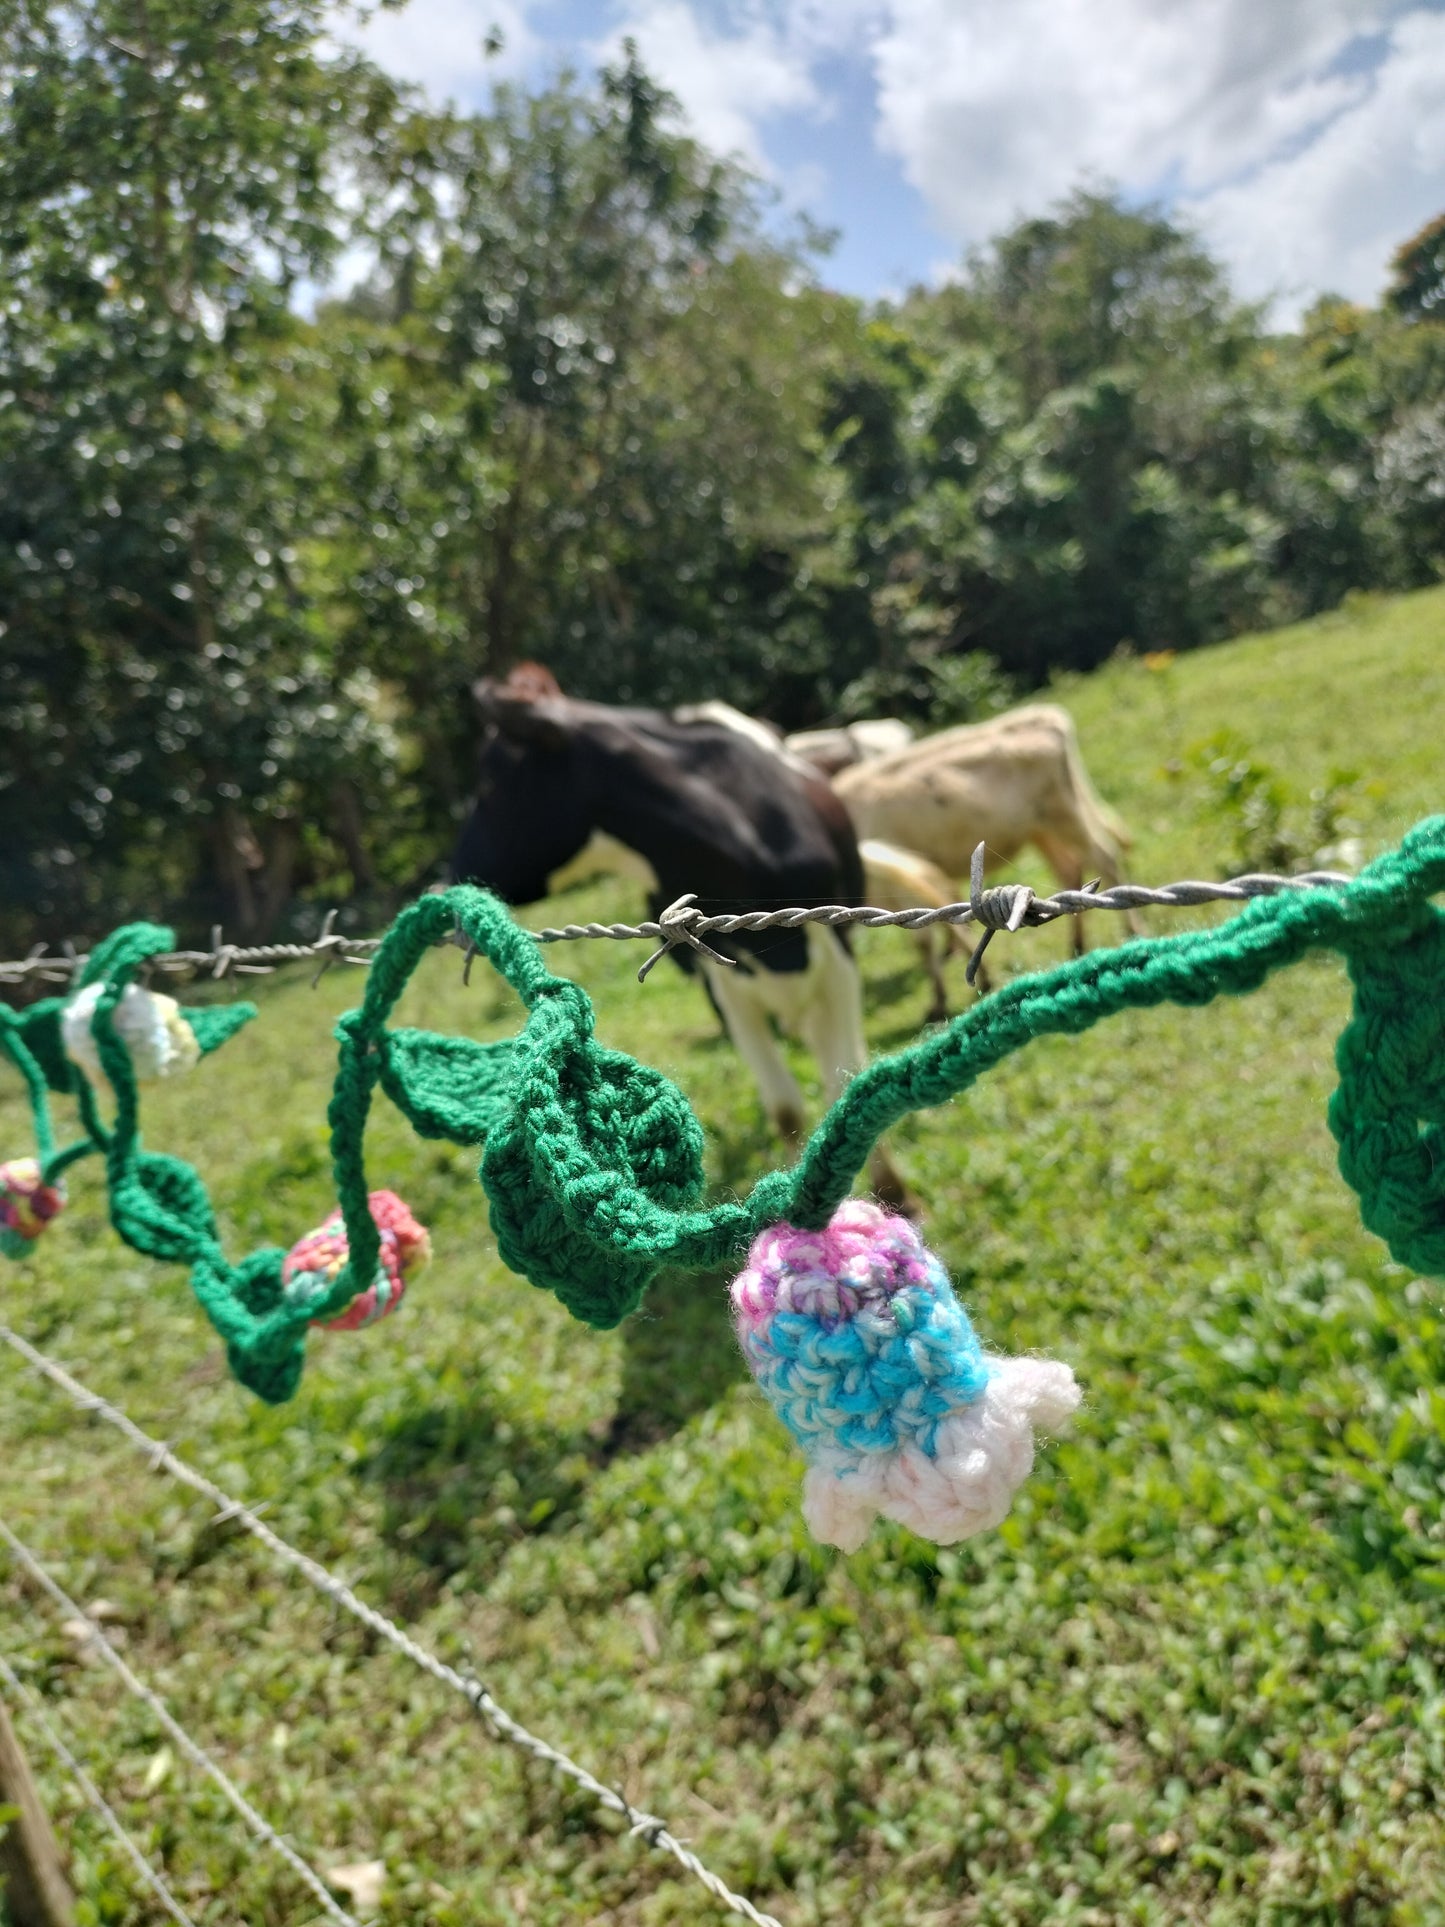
(27, 1204)
(314, 1262)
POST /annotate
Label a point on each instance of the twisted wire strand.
(37, 1717)
(993, 908)
(646, 1827)
(174, 1731)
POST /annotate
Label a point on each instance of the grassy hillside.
(1199, 1676)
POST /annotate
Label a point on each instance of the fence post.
(34, 1888)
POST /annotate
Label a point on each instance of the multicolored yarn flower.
(27, 1204)
(857, 1340)
(151, 1025)
(313, 1264)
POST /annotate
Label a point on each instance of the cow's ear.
(542, 722)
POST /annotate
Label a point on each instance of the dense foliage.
(586, 406)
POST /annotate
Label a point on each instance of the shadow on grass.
(896, 987)
(462, 1484)
(900, 1035)
(679, 1357)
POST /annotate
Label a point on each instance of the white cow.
(831, 750)
(895, 879)
(1017, 779)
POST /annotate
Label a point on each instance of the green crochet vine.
(593, 1163)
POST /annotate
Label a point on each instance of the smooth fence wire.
(1001, 907)
(173, 1729)
(93, 1795)
(643, 1826)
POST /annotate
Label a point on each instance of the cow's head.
(532, 812)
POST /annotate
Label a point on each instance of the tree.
(1417, 274)
(1059, 452)
(1090, 286)
(588, 407)
(577, 420)
(169, 710)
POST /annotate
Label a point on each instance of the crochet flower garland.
(593, 1169)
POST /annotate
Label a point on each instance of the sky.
(1302, 139)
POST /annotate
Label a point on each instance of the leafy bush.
(1273, 828)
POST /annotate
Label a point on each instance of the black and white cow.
(709, 811)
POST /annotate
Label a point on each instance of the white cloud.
(729, 82)
(1302, 152)
(1329, 216)
(997, 105)
(1244, 108)
(438, 44)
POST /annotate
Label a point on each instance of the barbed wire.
(1004, 906)
(36, 1715)
(255, 960)
(172, 1728)
(646, 1827)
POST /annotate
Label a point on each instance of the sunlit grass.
(1196, 1677)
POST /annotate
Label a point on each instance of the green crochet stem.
(12, 1042)
(158, 1204)
(593, 1163)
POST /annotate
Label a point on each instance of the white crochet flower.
(984, 1453)
(160, 1041)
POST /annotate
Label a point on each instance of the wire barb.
(676, 924)
(1002, 908)
(325, 947)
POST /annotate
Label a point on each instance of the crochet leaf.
(158, 1204)
(1388, 1114)
(214, 1023)
(449, 1087)
(571, 1228)
(39, 1028)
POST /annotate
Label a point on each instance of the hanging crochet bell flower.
(313, 1264)
(27, 1204)
(151, 1025)
(865, 1354)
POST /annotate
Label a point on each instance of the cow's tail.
(1106, 831)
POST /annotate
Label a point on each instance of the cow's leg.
(895, 878)
(830, 1015)
(928, 952)
(830, 1022)
(741, 1000)
(1106, 861)
(1067, 864)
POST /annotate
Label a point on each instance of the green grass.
(1198, 1676)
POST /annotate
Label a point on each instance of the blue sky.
(1304, 138)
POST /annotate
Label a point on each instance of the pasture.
(1198, 1676)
